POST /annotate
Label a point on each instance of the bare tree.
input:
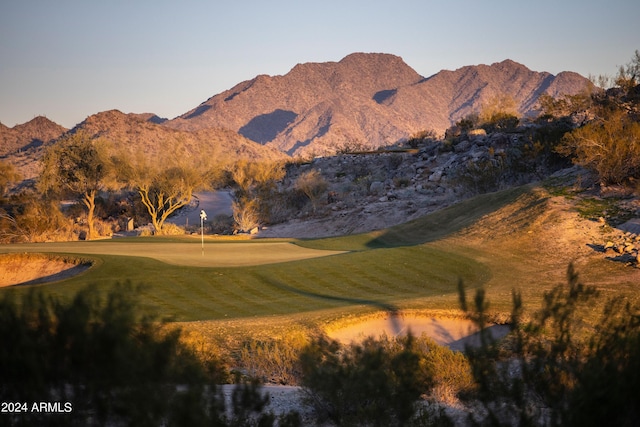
(164, 185)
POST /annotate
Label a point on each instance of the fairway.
(217, 254)
(502, 241)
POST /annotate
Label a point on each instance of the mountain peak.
(32, 134)
(369, 99)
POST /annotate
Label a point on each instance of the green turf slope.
(392, 269)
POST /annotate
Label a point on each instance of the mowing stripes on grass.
(382, 278)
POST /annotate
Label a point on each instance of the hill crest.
(32, 134)
(366, 99)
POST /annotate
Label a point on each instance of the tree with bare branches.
(164, 185)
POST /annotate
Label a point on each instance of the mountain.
(32, 134)
(142, 133)
(368, 99)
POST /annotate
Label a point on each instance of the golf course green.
(493, 240)
(258, 278)
(187, 253)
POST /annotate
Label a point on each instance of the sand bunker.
(455, 333)
(25, 269)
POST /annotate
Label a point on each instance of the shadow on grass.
(389, 308)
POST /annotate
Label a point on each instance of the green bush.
(373, 383)
(106, 362)
(555, 369)
(609, 146)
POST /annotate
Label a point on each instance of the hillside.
(23, 145)
(142, 133)
(31, 134)
(365, 99)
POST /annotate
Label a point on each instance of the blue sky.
(68, 59)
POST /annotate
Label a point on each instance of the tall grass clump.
(274, 361)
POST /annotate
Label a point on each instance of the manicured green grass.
(384, 278)
(387, 270)
(415, 265)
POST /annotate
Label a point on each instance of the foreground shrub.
(105, 362)
(557, 370)
(451, 372)
(274, 361)
(375, 383)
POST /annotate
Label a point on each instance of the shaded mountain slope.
(142, 133)
(366, 99)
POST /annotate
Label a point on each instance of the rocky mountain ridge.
(23, 145)
(368, 100)
(142, 132)
(365, 100)
(32, 134)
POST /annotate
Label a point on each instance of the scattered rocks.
(623, 247)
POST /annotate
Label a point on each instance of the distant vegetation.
(598, 130)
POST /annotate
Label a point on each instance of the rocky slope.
(31, 134)
(23, 145)
(142, 133)
(366, 99)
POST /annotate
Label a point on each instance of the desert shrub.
(481, 176)
(221, 224)
(609, 146)
(422, 137)
(373, 383)
(8, 176)
(555, 369)
(313, 185)
(31, 219)
(256, 182)
(170, 229)
(274, 361)
(285, 204)
(96, 352)
(450, 369)
(499, 114)
(541, 145)
(468, 122)
(246, 214)
(110, 363)
(393, 162)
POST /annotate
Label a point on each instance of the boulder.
(436, 176)
(376, 187)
